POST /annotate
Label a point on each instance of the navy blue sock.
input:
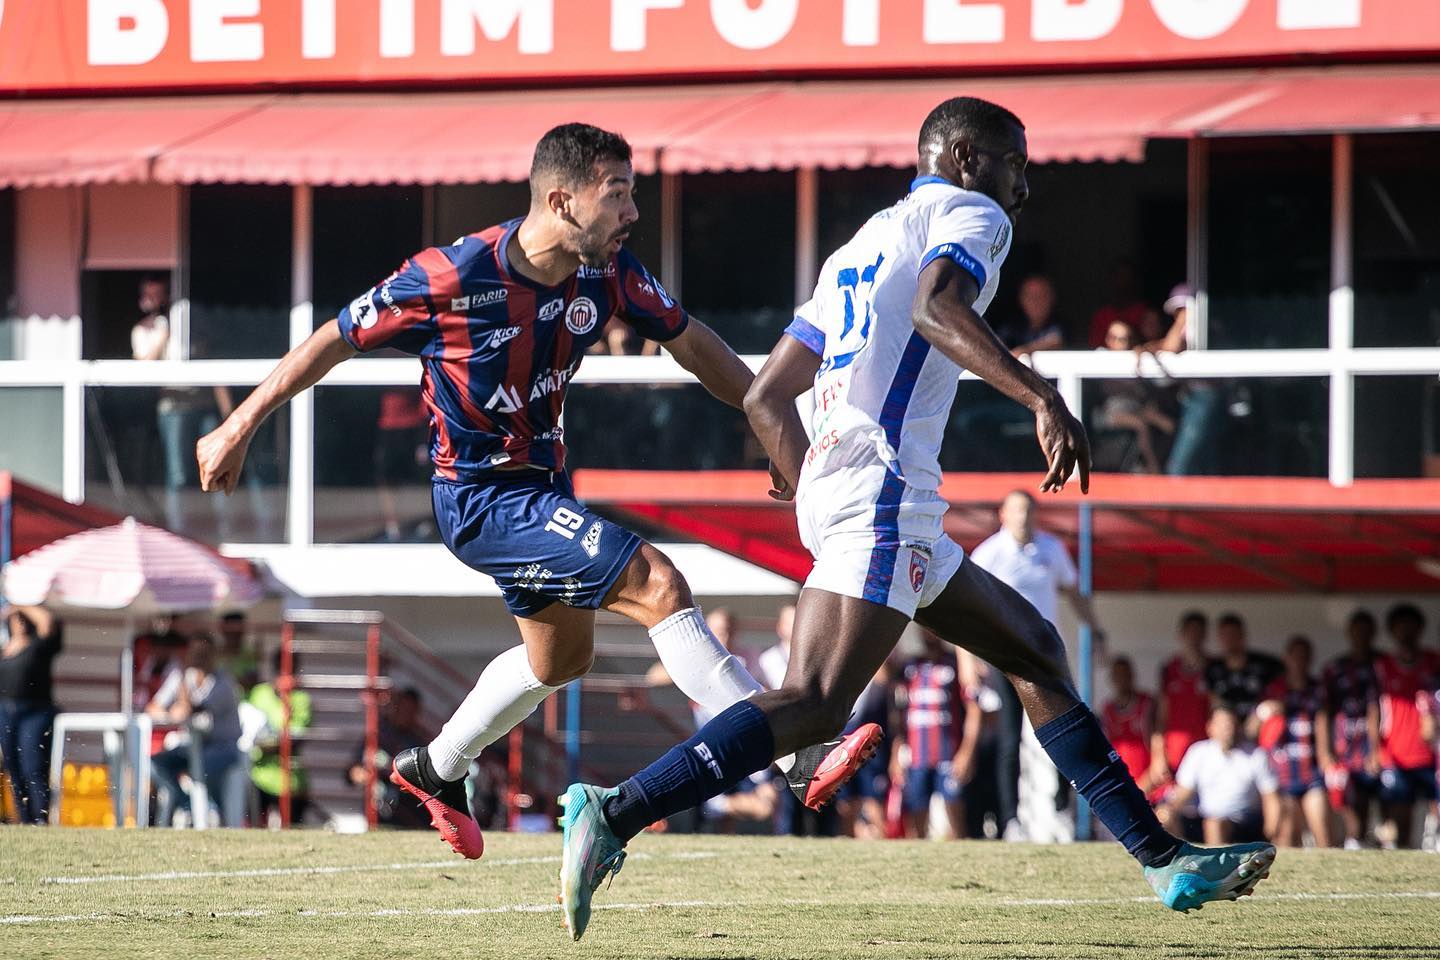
(1083, 755)
(730, 747)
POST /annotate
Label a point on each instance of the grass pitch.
(234, 895)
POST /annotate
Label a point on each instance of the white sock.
(506, 693)
(703, 670)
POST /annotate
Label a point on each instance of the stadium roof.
(1162, 534)
(441, 137)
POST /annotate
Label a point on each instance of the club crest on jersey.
(550, 310)
(362, 310)
(581, 316)
(918, 564)
(1002, 237)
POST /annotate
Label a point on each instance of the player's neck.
(536, 252)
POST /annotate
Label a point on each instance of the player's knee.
(561, 667)
(665, 591)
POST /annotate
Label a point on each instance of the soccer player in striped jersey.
(1298, 754)
(895, 317)
(500, 320)
(1352, 707)
(942, 729)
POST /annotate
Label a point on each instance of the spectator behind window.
(1124, 306)
(27, 706)
(1035, 328)
(1135, 406)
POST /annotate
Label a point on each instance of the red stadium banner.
(109, 45)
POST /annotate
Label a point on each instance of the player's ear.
(966, 157)
(557, 201)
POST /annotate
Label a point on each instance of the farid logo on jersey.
(918, 564)
(581, 316)
(362, 310)
(474, 301)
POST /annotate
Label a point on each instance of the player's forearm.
(701, 351)
(299, 370)
(962, 335)
(781, 432)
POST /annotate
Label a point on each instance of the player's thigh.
(980, 613)
(559, 641)
(649, 589)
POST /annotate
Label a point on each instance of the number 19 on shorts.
(565, 522)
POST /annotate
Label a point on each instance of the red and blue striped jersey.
(1290, 738)
(497, 349)
(934, 712)
(1350, 689)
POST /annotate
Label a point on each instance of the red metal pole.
(517, 749)
(372, 720)
(283, 683)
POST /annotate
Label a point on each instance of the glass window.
(239, 284)
(661, 427)
(140, 461)
(389, 221)
(989, 433)
(737, 238)
(111, 303)
(1397, 240)
(28, 447)
(1276, 427)
(1269, 242)
(850, 197)
(1409, 443)
(372, 465)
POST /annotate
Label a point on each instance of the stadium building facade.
(269, 161)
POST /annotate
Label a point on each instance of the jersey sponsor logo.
(504, 336)
(362, 310)
(581, 316)
(1002, 237)
(595, 273)
(550, 310)
(591, 541)
(550, 381)
(919, 563)
(474, 301)
(505, 399)
(824, 442)
(708, 758)
(642, 284)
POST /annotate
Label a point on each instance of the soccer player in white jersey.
(895, 317)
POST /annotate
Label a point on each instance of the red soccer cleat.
(820, 771)
(447, 804)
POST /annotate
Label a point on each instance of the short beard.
(592, 248)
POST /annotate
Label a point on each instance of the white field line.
(1259, 898)
(328, 871)
(26, 919)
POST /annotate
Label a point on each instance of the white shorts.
(876, 538)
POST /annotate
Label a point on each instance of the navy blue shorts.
(526, 529)
(1402, 785)
(923, 782)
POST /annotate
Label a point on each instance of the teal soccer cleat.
(591, 853)
(1198, 875)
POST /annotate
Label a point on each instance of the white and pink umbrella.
(130, 567)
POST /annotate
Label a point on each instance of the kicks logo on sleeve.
(591, 541)
(703, 750)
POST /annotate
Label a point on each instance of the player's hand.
(1372, 765)
(220, 455)
(1066, 448)
(780, 488)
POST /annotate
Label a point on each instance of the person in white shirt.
(775, 660)
(1037, 566)
(1230, 780)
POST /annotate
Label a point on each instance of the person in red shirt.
(1298, 758)
(1184, 704)
(1407, 762)
(1128, 719)
(1125, 306)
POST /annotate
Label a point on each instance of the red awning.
(1165, 534)
(483, 137)
(56, 143)
(40, 518)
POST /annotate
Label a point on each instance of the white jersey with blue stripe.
(882, 392)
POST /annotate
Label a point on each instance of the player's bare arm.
(943, 314)
(221, 453)
(770, 407)
(701, 351)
